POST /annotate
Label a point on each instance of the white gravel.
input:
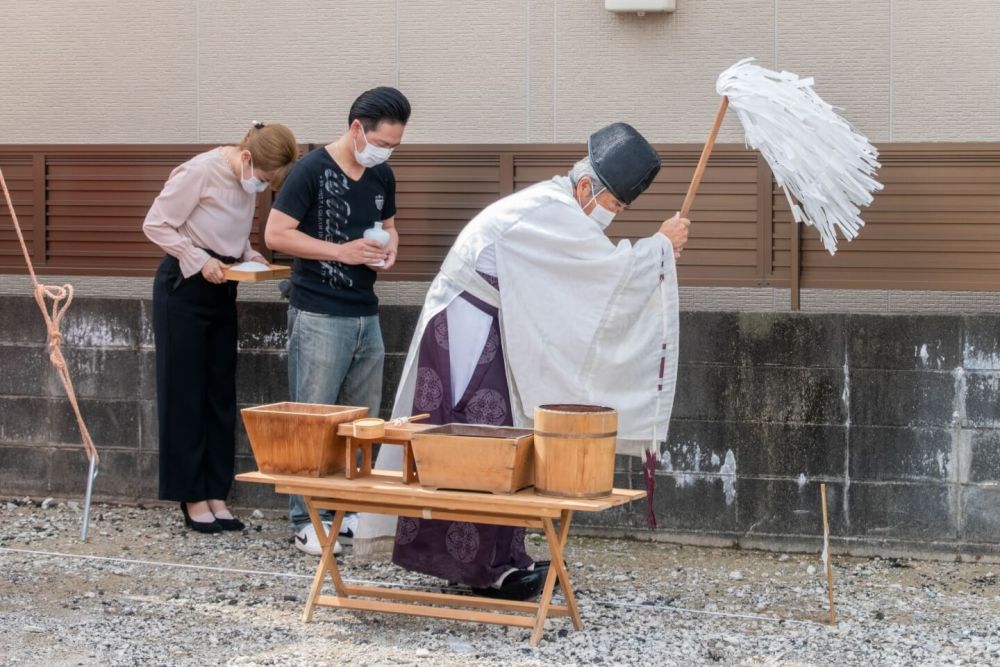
(144, 591)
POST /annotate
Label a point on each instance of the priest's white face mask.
(600, 214)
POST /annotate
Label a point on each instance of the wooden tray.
(277, 272)
(474, 457)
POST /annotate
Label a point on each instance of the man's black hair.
(382, 104)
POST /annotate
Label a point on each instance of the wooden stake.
(829, 558)
(703, 161)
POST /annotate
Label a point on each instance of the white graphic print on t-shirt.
(333, 213)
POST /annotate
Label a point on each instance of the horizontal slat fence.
(935, 226)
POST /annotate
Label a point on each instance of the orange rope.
(61, 298)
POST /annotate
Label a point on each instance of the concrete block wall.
(112, 370)
(896, 413)
(108, 344)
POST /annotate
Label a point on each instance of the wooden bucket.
(575, 450)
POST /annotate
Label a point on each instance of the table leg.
(366, 458)
(556, 570)
(567, 589)
(409, 465)
(327, 562)
(350, 462)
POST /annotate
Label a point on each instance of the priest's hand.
(676, 229)
(360, 251)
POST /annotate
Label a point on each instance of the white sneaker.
(306, 540)
(348, 527)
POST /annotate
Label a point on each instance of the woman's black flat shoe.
(200, 526)
(230, 524)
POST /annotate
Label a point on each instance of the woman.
(202, 220)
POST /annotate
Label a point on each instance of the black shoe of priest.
(543, 567)
(544, 564)
(518, 585)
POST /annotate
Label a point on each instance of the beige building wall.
(144, 71)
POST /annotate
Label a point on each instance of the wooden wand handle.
(703, 161)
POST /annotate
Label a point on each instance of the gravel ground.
(145, 591)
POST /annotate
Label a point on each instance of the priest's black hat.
(624, 160)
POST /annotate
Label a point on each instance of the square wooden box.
(299, 438)
(472, 457)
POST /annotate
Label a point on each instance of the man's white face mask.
(600, 215)
(371, 155)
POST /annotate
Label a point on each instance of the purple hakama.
(471, 554)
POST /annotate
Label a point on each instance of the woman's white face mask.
(600, 215)
(253, 184)
(371, 155)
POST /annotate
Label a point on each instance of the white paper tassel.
(824, 165)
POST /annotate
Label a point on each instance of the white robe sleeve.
(585, 321)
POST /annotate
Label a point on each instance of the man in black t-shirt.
(328, 201)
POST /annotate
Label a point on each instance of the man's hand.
(212, 271)
(391, 250)
(360, 251)
(676, 229)
(390, 259)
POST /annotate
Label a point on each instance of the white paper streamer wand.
(823, 164)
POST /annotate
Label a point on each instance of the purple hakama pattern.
(471, 554)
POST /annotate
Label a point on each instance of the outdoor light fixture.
(640, 7)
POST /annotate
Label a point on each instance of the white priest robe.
(582, 320)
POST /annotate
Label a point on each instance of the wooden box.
(472, 457)
(299, 438)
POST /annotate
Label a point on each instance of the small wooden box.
(277, 272)
(472, 457)
(298, 438)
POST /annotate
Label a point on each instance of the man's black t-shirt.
(331, 207)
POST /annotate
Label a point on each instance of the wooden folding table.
(384, 492)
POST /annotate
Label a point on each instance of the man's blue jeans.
(334, 360)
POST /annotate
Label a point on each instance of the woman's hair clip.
(257, 124)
